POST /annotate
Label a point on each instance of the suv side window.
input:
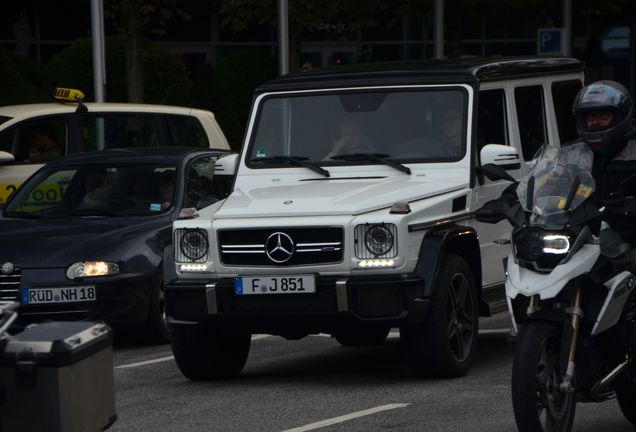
(491, 118)
(531, 118)
(36, 141)
(563, 94)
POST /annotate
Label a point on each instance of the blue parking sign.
(550, 40)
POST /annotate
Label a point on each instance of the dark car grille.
(286, 246)
(10, 285)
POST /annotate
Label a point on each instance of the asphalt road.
(316, 384)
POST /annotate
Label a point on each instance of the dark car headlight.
(193, 245)
(91, 268)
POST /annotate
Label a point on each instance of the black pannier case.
(57, 376)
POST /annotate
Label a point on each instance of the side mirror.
(496, 172)
(501, 155)
(226, 165)
(491, 212)
(6, 157)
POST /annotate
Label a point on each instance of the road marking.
(346, 417)
(144, 363)
(169, 358)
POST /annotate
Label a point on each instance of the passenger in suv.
(369, 239)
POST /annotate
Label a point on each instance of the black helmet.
(603, 96)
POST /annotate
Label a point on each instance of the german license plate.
(297, 284)
(59, 295)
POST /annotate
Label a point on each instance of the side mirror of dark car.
(492, 212)
(205, 201)
(496, 172)
(6, 158)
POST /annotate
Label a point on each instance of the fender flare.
(460, 240)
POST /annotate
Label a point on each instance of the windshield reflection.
(419, 125)
(106, 190)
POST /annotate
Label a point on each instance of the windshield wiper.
(373, 157)
(294, 160)
(22, 214)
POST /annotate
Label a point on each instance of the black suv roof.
(433, 71)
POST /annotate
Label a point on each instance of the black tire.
(157, 325)
(626, 395)
(444, 344)
(537, 402)
(212, 353)
(360, 336)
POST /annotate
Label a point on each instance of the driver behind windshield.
(352, 139)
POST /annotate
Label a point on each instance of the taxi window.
(38, 141)
(123, 130)
(4, 119)
(186, 131)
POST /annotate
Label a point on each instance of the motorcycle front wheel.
(537, 401)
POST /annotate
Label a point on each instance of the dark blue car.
(84, 237)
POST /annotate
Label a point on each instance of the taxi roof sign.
(68, 94)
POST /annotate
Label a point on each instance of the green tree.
(135, 20)
(167, 79)
(342, 20)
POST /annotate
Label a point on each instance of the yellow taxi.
(34, 134)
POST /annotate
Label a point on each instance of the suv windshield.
(96, 190)
(418, 125)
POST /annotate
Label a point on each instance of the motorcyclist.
(604, 112)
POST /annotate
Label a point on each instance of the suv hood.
(333, 196)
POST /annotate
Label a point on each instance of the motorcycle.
(570, 291)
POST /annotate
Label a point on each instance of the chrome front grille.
(10, 285)
(300, 246)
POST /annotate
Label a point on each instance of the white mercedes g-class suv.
(351, 211)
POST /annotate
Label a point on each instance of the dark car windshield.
(96, 190)
(407, 125)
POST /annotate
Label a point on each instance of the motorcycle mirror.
(492, 212)
(495, 172)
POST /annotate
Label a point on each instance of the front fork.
(570, 333)
(571, 336)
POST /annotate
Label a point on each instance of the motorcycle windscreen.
(560, 179)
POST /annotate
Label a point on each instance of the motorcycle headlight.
(375, 241)
(194, 244)
(557, 244)
(544, 248)
(91, 268)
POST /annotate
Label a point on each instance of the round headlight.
(194, 244)
(378, 240)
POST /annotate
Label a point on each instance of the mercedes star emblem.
(279, 247)
(7, 268)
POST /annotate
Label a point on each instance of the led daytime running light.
(557, 244)
(193, 267)
(376, 263)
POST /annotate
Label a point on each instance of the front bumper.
(121, 300)
(386, 300)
